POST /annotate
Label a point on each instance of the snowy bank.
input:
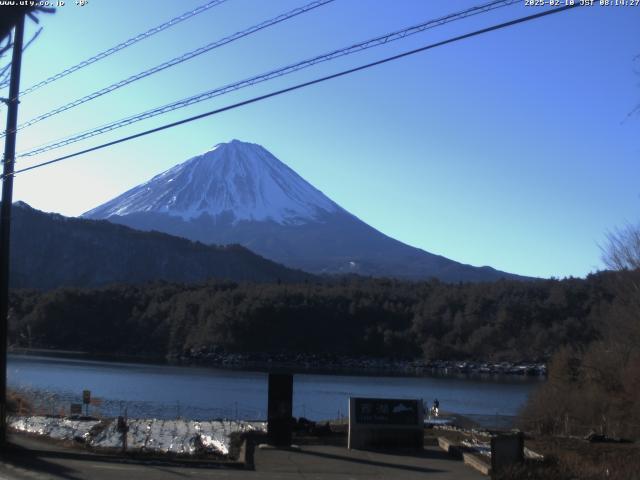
(176, 437)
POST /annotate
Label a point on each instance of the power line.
(177, 60)
(304, 84)
(374, 42)
(126, 43)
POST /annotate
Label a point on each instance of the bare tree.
(6, 70)
(7, 21)
(11, 14)
(622, 251)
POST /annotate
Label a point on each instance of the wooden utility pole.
(5, 215)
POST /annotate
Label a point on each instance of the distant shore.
(311, 363)
(83, 355)
(45, 351)
(333, 363)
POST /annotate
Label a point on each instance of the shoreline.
(334, 363)
(309, 363)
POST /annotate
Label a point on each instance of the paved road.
(41, 461)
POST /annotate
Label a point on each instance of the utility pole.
(5, 215)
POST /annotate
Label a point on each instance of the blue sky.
(512, 149)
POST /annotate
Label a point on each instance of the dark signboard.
(86, 397)
(374, 411)
(280, 409)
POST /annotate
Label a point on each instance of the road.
(36, 460)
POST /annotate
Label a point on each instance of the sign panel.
(388, 423)
(86, 397)
(376, 411)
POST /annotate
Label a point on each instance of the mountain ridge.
(50, 250)
(219, 197)
(239, 177)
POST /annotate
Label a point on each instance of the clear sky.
(512, 149)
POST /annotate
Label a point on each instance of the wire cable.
(303, 85)
(125, 44)
(177, 60)
(374, 42)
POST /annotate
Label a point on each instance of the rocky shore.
(332, 363)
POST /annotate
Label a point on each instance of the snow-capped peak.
(240, 178)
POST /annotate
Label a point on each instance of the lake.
(165, 391)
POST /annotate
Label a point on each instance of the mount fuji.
(239, 192)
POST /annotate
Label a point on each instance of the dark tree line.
(505, 320)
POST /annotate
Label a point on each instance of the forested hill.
(50, 250)
(505, 320)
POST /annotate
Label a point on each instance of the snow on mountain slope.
(240, 193)
(240, 178)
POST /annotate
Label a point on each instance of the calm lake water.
(165, 391)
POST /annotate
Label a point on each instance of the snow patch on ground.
(477, 446)
(56, 428)
(182, 437)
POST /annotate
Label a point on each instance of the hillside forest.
(504, 320)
